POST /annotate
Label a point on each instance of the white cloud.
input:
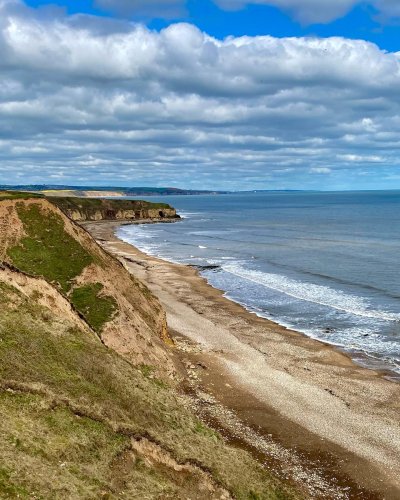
(361, 158)
(388, 8)
(318, 11)
(306, 11)
(100, 100)
(320, 170)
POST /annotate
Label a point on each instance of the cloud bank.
(89, 100)
(306, 11)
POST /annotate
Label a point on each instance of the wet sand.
(302, 407)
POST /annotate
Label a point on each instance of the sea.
(326, 264)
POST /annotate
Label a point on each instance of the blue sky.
(362, 21)
(201, 94)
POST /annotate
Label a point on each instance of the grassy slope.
(120, 308)
(16, 195)
(69, 408)
(97, 310)
(49, 251)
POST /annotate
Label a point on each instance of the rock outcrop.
(87, 209)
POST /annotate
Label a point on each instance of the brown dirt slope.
(39, 240)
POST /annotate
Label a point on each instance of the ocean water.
(325, 264)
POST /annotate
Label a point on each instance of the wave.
(318, 294)
(333, 279)
(189, 215)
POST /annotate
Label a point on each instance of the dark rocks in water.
(209, 267)
(329, 329)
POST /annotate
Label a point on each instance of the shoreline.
(364, 360)
(357, 356)
(290, 395)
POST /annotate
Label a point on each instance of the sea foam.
(310, 292)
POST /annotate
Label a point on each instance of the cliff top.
(82, 209)
(72, 203)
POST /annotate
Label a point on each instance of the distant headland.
(108, 191)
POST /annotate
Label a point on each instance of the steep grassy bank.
(77, 421)
(89, 417)
(38, 239)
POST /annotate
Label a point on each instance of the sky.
(201, 94)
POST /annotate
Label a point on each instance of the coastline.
(302, 405)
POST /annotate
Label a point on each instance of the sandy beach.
(303, 408)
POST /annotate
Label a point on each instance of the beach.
(301, 406)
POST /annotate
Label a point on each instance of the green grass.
(48, 250)
(8, 487)
(147, 370)
(96, 309)
(94, 204)
(71, 407)
(18, 195)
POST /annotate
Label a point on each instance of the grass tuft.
(8, 487)
(97, 309)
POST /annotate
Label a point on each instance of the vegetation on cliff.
(96, 309)
(84, 418)
(91, 204)
(72, 410)
(95, 209)
(16, 195)
(39, 240)
(47, 249)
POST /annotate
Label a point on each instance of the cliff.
(91, 209)
(39, 240)
(88, 401)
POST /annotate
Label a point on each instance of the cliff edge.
(93, 209)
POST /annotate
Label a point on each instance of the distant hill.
(95, 191)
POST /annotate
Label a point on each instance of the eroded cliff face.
(121, 215)
(84, 209)
(37, 239)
